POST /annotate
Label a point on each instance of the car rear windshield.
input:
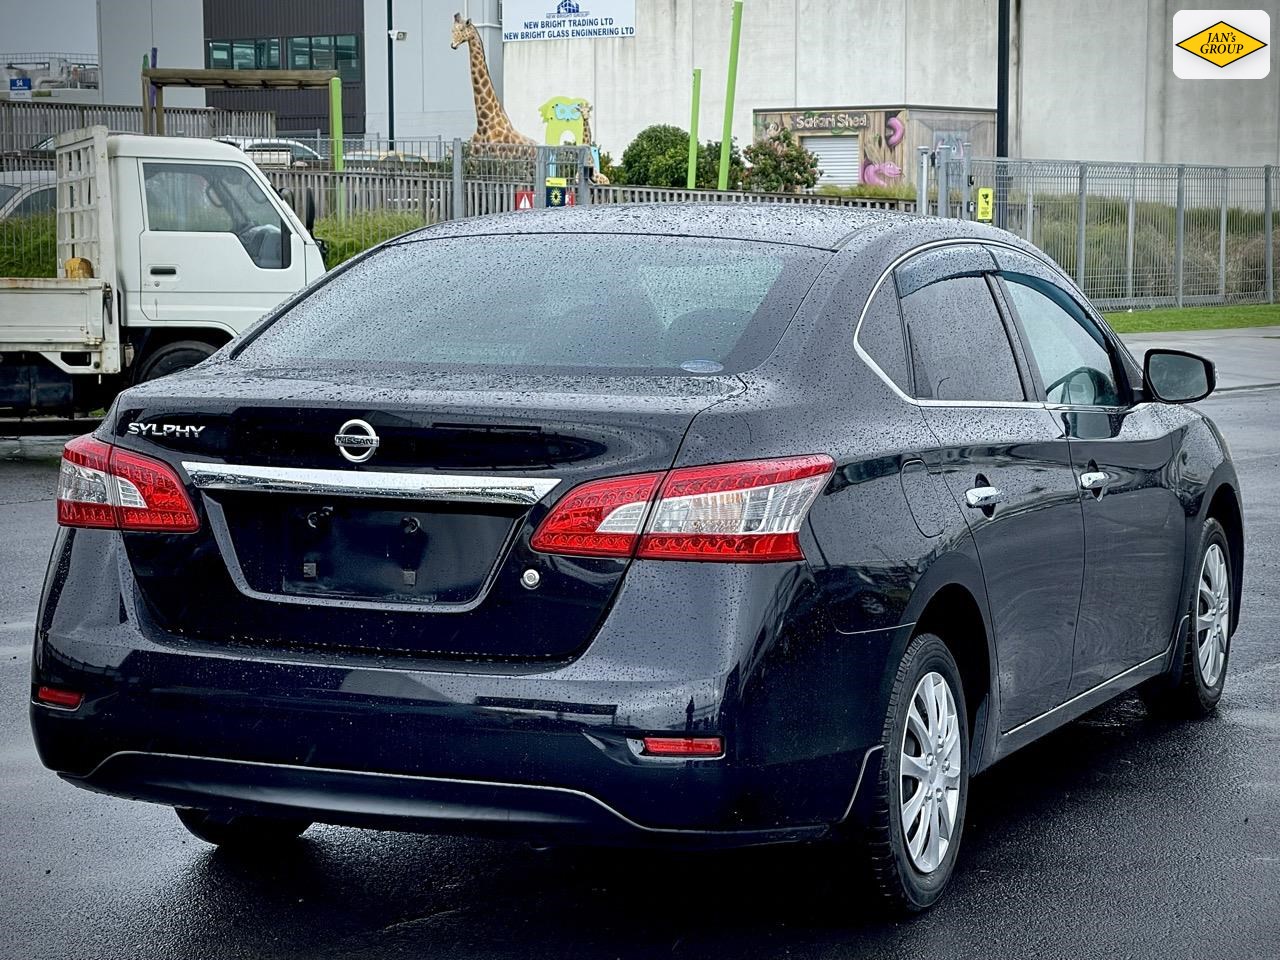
(551, 303)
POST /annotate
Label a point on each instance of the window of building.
(341, 53)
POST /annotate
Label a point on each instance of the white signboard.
(567, 19)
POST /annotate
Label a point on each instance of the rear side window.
(551, 302)
(958, 345)
(880, 336)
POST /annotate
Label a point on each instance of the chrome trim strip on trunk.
(447, 488)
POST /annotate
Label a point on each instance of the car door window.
(1068, 351)
(216, 198)
(959, 348)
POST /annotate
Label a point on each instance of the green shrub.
(781, 164)
(29, 246)
(659, 157)
(900, 191)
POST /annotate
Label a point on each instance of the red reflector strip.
(683, 746)
(59, 698)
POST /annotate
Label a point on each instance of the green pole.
(693, 130)
(335, 141)
(726, 138)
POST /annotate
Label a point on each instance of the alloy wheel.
(930, 769)
(1213, 615)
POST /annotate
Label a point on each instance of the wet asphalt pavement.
(1116, 837)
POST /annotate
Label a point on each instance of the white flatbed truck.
(175, 246)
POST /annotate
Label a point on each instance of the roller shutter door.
(837, 158)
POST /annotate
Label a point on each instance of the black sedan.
(691, 525)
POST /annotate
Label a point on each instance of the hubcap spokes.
(1213, 615)
(930, 772)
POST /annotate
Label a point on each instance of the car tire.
(173, 357)
(912, 881)
(241, 833)
(1193, 687)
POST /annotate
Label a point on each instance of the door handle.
(164, 271)
(982, 498)
(1094, 480)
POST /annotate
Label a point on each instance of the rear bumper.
(529, 749)
(399, 802)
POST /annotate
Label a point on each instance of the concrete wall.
(432, 83)
(1091, 78)
(128, 29)
(1110, 94)
(794, 53)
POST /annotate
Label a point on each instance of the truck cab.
(186, 244)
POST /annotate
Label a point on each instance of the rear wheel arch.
(952, 613)
(1225, 508)
(156, 345)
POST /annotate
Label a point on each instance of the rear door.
(214, 250)
(1007, 461)
(1134, 523)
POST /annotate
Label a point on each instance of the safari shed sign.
(1221, 44)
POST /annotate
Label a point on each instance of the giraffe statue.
(585, 109)
(493, 126)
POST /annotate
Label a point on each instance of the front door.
(1134, 523)
(215, 250)
(1006, 460)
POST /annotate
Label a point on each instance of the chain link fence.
(1134, 234)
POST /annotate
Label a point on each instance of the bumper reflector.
(54, 697)
(683, 746)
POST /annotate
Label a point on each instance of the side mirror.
(309, 210)
(1177, 377)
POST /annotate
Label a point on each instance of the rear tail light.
(683, 746)
(749, 511)
(103, 486)
(57, 697)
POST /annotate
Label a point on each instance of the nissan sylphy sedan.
(683, 525)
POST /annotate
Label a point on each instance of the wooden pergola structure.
(155, 79)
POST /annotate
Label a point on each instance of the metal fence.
(1134, 234)
(24, 125)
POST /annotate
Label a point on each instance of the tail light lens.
(749, 511)
(103, 486)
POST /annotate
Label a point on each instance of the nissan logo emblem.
(356, 441)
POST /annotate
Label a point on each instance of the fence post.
(1268, 243)
(942, 166)
(1222, 238)
(540, 178)
(1082, 213)
(1130, 228)
(922, 181)
(966, 192)
(585, 164)
(459, 205)
(1179, 235)
(1029, 217)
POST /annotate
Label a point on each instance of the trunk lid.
(421, 547)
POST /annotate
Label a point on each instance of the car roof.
(28, 178)
(822, 226)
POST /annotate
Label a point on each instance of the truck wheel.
(173, 357)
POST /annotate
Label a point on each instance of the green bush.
(781, 164)
(29, 246)
(659, 157)
(901, 191)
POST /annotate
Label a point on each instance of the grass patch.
(360, 231)
(1195, 318)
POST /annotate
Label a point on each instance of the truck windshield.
(551, 303)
